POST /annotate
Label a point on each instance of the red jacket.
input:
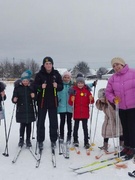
(81, 102)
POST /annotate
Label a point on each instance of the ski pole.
(35, 114)
(9, 130)
(93, 144)
(92, 113)
(6, 138)
(117, 124)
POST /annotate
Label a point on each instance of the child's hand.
(2, 93)
(72, 98)
(116, 100)
(91, 98)
(15, 99)
(32, 95)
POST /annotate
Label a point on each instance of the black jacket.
(50, 99)
(25, 106)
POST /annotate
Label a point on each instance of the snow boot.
(131, 174)
(28, 143)
(87, 146)
(76, 143)
(124, 151)
(40, 145)
(129, 155)
(53, 144)
(68, 139)
(104, 147)
(21, 142)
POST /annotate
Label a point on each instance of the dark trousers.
(85, 130)
(127, 118)
(28, 130)
(53, 124)
(63, 117)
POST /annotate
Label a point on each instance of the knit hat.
(101, 93)
(117, 60)
(26, 75)
(47, 59)
(79, 75)
(66, 73)
(80, 79)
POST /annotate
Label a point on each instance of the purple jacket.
(122, 84)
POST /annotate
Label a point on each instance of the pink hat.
(66, 73)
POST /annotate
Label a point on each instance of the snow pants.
(53, 124)
(127, 118)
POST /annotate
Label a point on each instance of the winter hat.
(47, 59)
(117, 60)
(80, 79)
(66, 73)
(79, 75)
(26, 75)
(101, 93)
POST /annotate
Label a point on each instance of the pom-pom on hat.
(66, 73)
(101, 93)
(117, 60)
(80, 79)
(26, 75)
(47, 59)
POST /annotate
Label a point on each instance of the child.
(23, 96)
(109, 126)
(64, 109)
(80, 100)
(2, 98)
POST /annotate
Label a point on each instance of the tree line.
(13, 70)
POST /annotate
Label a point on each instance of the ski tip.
(67, 157)
(78, 152)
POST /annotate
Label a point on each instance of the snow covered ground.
(24, 168)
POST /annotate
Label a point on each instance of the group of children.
(73, 102)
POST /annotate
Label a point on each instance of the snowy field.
(24, 168)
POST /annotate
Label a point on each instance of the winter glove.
(116, 100)
(94, 83)
(72, 98)
(91, 98)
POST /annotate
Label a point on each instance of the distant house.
(109, 73)
(92, 74)
(61, 70)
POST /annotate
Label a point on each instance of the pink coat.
(122, 84)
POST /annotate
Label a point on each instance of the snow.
(24, 168)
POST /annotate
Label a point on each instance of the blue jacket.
(63, 97)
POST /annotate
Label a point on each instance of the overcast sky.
(69, 31)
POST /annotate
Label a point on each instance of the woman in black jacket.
(23, 96)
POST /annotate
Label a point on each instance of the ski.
(53, 156)
(33, 154)
(93, 163)
(101, 167)
(17, 155)
(39, 159)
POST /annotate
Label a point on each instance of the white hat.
(117, 60)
